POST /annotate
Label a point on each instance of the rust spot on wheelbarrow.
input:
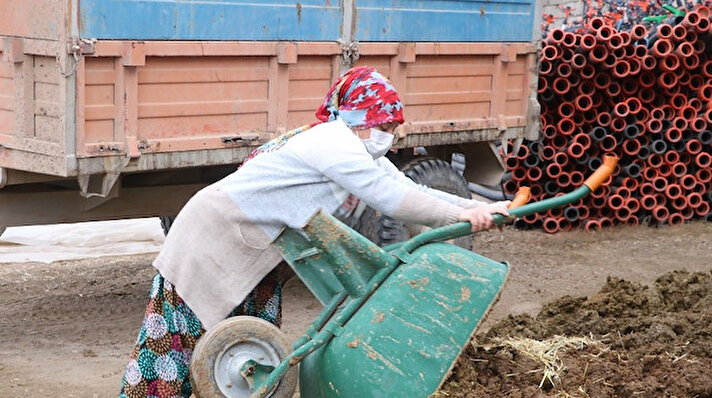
(465, 294)
(353, 344)
(378, 318)
(420, 283)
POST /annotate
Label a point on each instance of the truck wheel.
(166, 222)
(434, 173)
(221, 352)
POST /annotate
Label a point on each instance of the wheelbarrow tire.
(434, 173)
(233, 333)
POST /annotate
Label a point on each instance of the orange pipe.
(583, 103)
(691, 62)
(667, 80)
(622, 214)
(688, 181)
(551, 225)
(693, 146)
(602, 193)
(648, 62)
(638, 32)
(633, 221)
(671, 157)
(703, 175)
(678, 203)
(646, 188)
(660, 183)
(578, 61)
(703, 160)
(648, 202)
(556, 36)
(576, 178)
(661, 48)
(534, 174)
(673, 191)
(604, 33)
(694, 200)
(670, 63)
(615, 202)
(563, 179)
(605, 222)
(598, 54)
(665, 170)
(553, 170)
(690, 21)
(550, 53)
(561, 85)
(604, 119)
(675, 219)
(566, 126)
(660, 213)
(696, 103)
(680, 123)
(615, 42)
(703, 26)
(703, 209)
(664, 31)
(595, 24)
(679, 33)
(576, 150)
(564, 70)
(698, 125)
(679, 169)
(588, 41)
(631, 147)
(673, 134)
(684, 49)
(655, 160)
(519, 174)
(707, 69)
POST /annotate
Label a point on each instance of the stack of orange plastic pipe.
(643, 94)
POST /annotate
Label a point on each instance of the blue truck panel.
(308, 20)
(445, 20)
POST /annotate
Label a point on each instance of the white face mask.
(378, 143)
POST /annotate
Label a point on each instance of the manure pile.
(628, 340)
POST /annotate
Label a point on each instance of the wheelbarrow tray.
(406, 337)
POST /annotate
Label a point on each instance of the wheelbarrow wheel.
(221, 352)
(434, 173)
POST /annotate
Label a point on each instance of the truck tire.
(219, 354)
(434, 173)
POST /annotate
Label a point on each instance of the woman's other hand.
(481, 217)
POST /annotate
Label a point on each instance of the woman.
(219, 247)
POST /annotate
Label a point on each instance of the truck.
(125, 108)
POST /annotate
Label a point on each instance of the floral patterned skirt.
(158, 366)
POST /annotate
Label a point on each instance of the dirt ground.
(66, 328)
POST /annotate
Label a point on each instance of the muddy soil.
(643, 341)
(66, 328)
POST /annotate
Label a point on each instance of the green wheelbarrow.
(394, 321)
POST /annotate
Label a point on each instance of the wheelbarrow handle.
(522, 197)
(593, 182)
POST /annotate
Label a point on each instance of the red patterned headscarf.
(362, 97)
